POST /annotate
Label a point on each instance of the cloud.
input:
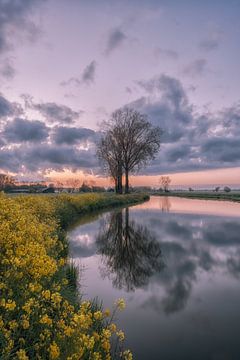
(196, 68)
(191, 140)
(21, 130)
(115, 39)
(15, 22)
(87, 77)
(209, 44)
(166, 105)
(72, 135)
(166, 53)
(212, 41)
(55, 113)
(30, 145)
(221, 149)
(46, 157)
(7, 70)
(8, 108)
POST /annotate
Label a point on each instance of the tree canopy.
(129, 142)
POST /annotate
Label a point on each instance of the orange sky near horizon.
(226, 176)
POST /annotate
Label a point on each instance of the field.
(204, 195)
(42, 315)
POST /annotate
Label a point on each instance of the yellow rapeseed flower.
(10, 305)
(107, 312)
(127, 355)
(45, 319)
(112, 327)
(21, 355)
(120, 303)
(54, 351)
(97, 315)
(120, 335)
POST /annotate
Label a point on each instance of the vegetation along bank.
(42, 315)
(208, 195)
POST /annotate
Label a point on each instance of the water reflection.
(131, 254)
(165, 203)
(190, 306)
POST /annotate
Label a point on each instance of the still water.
(177, 264)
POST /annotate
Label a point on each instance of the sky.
(66, 65)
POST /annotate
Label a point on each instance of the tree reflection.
(165, 204)
(131, 254)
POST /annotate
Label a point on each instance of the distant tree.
(129, 143)
(73, 184)
(190, 189)
(165, 182)
(6, 182)
(227, 189)
(217, 188)
(85, 187)
(98, 189)
(59, 186)
(49, 189)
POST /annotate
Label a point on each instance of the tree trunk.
(119, 178)
(126, 182)
(116, 185)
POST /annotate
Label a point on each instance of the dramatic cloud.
(72, 135)
(20, 130)
(115, 39)
(167, 106)
(46, 157)
(191, 141)
(221, 149)
(196, 68)
(55, 113)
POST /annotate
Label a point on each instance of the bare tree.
(129, 143)
(6, 181)
(165, 182)
(109, 153)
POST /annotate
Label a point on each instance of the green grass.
(204, 195)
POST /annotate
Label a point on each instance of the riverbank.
(203, 195)
(41, 313)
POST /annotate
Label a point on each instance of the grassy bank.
(204, 195)
(41, 314)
